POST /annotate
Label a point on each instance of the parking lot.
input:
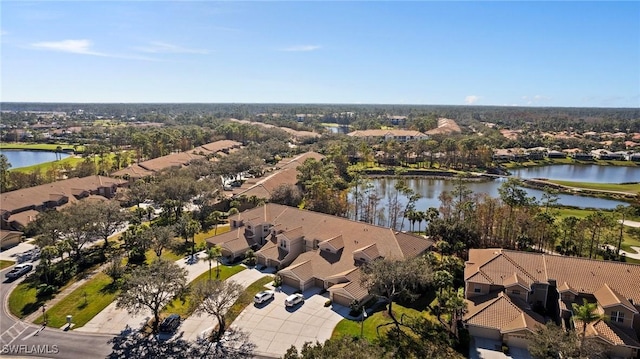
(274, 327)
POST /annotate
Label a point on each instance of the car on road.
(293, 299)
(19, 270)
(169, 324)
(263, 296)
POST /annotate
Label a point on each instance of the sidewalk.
(60, 296)
(113, 320)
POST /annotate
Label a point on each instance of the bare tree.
(151, 288)
(215, 298)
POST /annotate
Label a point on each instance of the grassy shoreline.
(66, 147)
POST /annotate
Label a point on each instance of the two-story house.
(312, 249)
(507, 290)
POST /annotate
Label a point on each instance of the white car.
(19, 270)
(263, 296)
(294, 299)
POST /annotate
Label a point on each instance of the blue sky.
(483, 53)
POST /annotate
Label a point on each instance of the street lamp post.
(364, 316)
(44, 314)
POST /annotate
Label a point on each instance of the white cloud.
(73, 46)
(83, 47)
(157, 47)
(533, 100)
(471, 99)
(302, 48)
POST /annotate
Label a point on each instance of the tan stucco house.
(503, 287)
(312, 249)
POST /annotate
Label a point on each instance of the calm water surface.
(581, 173)
(20, 158)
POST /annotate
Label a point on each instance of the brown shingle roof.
(173, 160)
(134, 171)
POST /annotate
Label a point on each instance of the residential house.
(21, 206)
(9, 239)
(387, 135)
(503, 287)
(556, 154)
(312, 249)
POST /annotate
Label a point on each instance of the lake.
(22, 158)
(581, 173)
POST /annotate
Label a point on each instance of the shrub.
(277, 281)
(327, 303)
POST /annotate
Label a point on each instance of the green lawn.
(23, 301)
(5, 264)
(83, 303)
(352, 328)
(629, 188)
(183, 306)
(42, 167)
(39, 146)
(247, 298)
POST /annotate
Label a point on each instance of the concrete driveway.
(482, 348)
(274, 328)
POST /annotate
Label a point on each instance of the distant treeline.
(544, 118)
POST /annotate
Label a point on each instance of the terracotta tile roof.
(302, 270)
(412, 245)
(33, 197)
(134, 171)
(608, 297)
(515, 279)
(610, 333)
(371, 251)
(352, 288)
(564, 287)
(173, 160)
(23, 218)
(319, 226)
(384, 133)
(272, 251)
(581, 275)
(504, 314)
(287, 174)
(335, 242)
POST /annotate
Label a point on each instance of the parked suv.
(169, 324)
(19, 270)
(293, 299)
(263, 296)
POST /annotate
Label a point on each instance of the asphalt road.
(21, 339)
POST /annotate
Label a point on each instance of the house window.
(283, 244)
(477, 289)
(617, 317)
(515, 292)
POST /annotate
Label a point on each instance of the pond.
(581, 173)
(429, 189)
(22, 158)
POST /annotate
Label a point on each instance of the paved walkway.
(113, 320)
(64, 293)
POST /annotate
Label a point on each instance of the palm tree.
(214, 254)
(215, 218)
(586, 313)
